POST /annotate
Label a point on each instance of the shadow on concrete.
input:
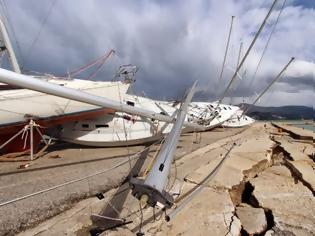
(115, 205)
(60, 165)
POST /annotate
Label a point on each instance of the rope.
(101, 60)
(125, 131)
(92, 75)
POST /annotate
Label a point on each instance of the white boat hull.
(122, 129)
(17, 106)
(238, 120)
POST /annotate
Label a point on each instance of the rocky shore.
(265, 187)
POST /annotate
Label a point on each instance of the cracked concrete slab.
(301, 163)
(291, 203)
(285, 200)
(295, 131)
(298, 151)
(253, 219)
(213, 213)
(248, 158)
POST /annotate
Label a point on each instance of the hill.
(279, 113)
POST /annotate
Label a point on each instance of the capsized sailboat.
(123, 129)
(238, 120)
(119, 129)
(80, 96)
(18, 105)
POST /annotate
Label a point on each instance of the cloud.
(172, 42)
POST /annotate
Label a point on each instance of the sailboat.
(238, 120)
(124, 129)
(212, 113)
(18, 106)
(119, 129)
(86, 124)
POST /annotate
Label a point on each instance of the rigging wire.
(27, 55)
(266, 46)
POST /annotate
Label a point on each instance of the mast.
(239, 55)
(42, 86)
(272, 82)
(152, 189)
(248, 51)
(226, 49)
(237, 63)
(8, 46)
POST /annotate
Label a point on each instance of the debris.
(24, 166)
(253, 219)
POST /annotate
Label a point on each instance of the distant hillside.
(280, 113)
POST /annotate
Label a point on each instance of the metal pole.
(247, 52)
(9, 47)
(239, 55)
(31, 139)
(226, 49)
(272, 82)
(151, 190)
(237, 63)
(42, 86)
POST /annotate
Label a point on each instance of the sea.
(305, 125)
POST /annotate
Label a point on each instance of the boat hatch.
(101, 126)
(130, 103)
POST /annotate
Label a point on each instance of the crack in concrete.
(229, 227)
(243, 192)
(286, 159)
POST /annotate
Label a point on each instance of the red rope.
(100, 60)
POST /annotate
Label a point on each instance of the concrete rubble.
(291, 203)
(265, 187)
(253, 220)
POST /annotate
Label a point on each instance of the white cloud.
(173, 42)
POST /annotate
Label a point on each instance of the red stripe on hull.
(17, 145)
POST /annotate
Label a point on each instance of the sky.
(173, 43)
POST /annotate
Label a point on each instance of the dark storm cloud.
(172, 42)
